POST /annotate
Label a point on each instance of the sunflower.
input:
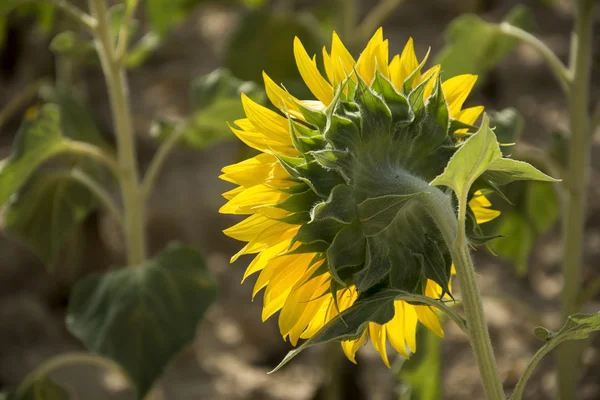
(333, 197)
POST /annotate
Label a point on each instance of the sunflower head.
(335, 197)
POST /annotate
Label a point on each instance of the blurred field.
(234, 350)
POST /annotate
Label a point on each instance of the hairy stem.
(116, 80)
(99, 191)
(439, 207)
(95, 152)
(578, 177)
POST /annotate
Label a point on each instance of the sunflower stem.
(439, 207)
(578, 173)
(116, 80)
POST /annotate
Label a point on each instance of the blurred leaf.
(559, 148)
(264, 41)
(143, 315)
(216, 101)
(8, 5)
(534, 210)
(45, 212)
(143, 49)
(69, 44)
(40, 388)
(37, 140)
(423, 372)
(508, 126)
(165, 14)
(475, 46)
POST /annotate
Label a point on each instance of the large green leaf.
(38, 140)
(46, 211)
(481, 154)
(143, 315)
(215, 101)
(475, 46)
(263, 42)
(422, 374)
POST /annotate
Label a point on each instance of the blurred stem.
(123, 41)
(334, 388)
(76, 13)
(382, 11)
(159, 159)
(596, 118)
(99, 191)
(441, 210)
(116, 80)
(561, 73)
(20, 100)
(47, 367)
(578, 174)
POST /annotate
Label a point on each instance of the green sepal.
(320, 180)
(456, 125)
(346, 250)
(376, 117)
(377, 213)
(314, 117)
(340, 206)
(304, 143)
(416, 98)
(397, 103)
(404, 275)
(342, 133)
(334, 159)
(296, 218)
(407, 85)
(317, 231)
(438, 107)
(299, 202)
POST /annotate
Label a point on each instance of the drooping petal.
(428, 317)
(350, 347)
(479, 204)
(269, 236)
(378, 336)
(395, 329)
(456, 90)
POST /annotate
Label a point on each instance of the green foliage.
(37, 140)
(215, 99)
(45, 212)
(142, 316)
(421, 376)
(69, 44)
(262, 42)
(508, 126)
(475, 46)
(163, 15)
(479, 155)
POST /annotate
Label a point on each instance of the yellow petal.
(280, 98)
(269, 236)
(320, 318)
(402, 66)
(395, 329)
(350, 347)
(434, 73)
(263, 258)
(328, 66)
(248, 201)
(247, 229)
(479, 205)
(266, 121)
(456, 90)
(311, 75)
(233, 192)
(365, 66)
(250, 172)
(342, 60)
(378, 337)
(261, 142)
(429, 319)
(382, 55)
(410, 327)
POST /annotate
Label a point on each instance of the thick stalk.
(578, 174)
(116, 80)
(440, 209)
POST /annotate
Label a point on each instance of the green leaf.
(578, 326)
(163, 15)
(517, 240)
(142, 316)
(216, 100)
(8, 5)
(481, 154)
(140, 52)
(423, 372)
(38, 140)
(475, 46)
(41, 388)
(46, 211)
(262, 41)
